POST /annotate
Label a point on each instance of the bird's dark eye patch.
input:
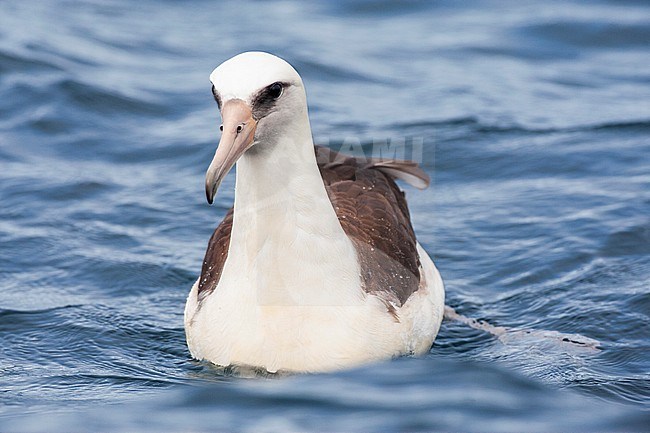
(216, 96)
(275, 90)
(264, 101)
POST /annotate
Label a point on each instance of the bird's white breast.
(232, 326)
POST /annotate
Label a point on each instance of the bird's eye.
(275, 90)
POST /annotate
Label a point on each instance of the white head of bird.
(263, 107)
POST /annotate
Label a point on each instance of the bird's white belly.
(229, 331)
(232, 326)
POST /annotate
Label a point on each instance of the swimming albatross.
(316, 267)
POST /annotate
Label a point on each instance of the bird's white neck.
(286, 235)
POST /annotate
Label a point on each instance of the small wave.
(104, 101)
(593, 34)
(120, 277)
(10, 62)
(50, 124)
(381, 8)
(635, 125)
(476, 125)
(6, 155)
(523, 53)
(472, 123)
(459, 121)
(632, 390)
(79, 190)
(12, 313)
(630, 241)
(328, 72)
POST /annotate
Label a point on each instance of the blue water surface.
(534, 121)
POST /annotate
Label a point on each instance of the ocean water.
(533, 119)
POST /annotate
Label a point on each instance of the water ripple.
(533, 120)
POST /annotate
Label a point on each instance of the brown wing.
(215, 256)
(372, 211)
(408, 171)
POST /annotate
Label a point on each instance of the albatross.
(316, 267)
